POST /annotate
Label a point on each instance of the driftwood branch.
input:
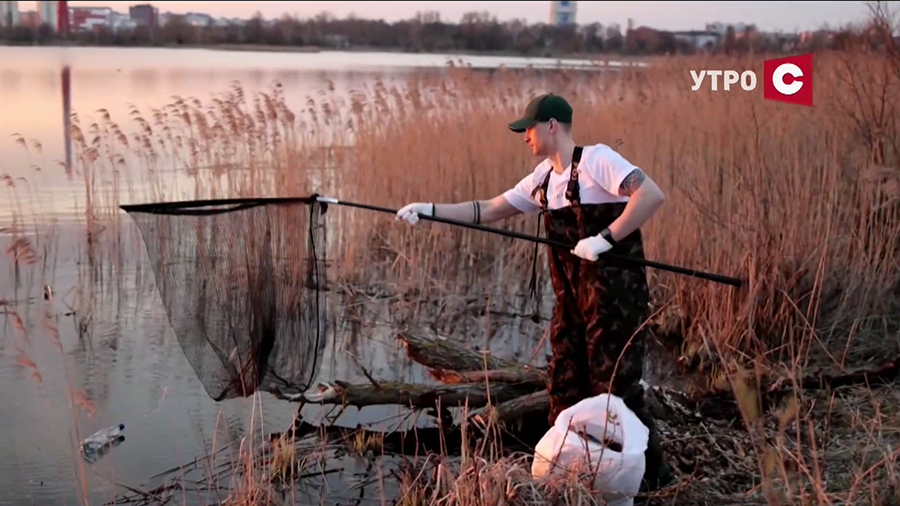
(536, 378)
(444, 354)
(412, 395)
(513, 391)
(534, 407)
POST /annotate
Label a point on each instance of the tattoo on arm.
(632, 182)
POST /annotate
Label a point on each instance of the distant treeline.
(477, 32)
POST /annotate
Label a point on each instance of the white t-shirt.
(600, 172)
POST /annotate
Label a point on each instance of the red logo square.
(789, 79)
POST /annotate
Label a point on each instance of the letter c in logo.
(778, 79)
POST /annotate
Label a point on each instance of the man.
(593, 198)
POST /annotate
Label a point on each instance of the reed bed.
(800, 202)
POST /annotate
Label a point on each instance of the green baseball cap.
(543, 108)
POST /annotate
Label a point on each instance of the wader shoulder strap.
(542, 188)
(572, 193)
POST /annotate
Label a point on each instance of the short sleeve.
(609, 168)
(520, 197)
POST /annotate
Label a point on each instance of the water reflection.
(33, 105)
(111, 78)
(118, 361)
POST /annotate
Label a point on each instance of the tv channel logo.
(788, 79)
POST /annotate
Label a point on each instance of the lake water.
(118, 348)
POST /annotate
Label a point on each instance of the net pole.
(728, 280)
(184, 207)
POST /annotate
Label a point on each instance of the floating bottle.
(102, 438)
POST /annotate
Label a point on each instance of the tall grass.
(796, 200)
(789, 198)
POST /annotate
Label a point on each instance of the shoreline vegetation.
(316, 49)
(476, 33)
(594, 57)
(788, 406)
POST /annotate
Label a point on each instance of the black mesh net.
(242, 282)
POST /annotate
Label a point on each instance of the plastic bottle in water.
(103, 437)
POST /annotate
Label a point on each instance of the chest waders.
(597, 331)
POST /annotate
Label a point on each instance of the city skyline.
(767, 16)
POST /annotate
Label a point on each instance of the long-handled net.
(243, 280)
(242, 284)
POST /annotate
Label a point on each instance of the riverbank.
(354, 49)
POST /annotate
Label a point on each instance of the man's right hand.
(410, 213)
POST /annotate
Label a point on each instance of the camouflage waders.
(596, 332)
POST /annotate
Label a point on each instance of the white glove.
(592, 247)
(411, 212)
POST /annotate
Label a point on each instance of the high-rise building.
(563, 13)
(48, 13)
(144, 14)
(9, 14)
(90, 18)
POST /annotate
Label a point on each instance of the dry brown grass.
(782, 196)
(801, 202)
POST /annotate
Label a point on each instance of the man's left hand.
(592, 247)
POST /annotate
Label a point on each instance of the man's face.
(540, 139)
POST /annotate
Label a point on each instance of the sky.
(768, 16)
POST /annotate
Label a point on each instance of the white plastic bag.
(563, 451)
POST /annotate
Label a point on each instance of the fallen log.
(524, 376)
(444, 354)
(414, 396)
(452, 364)
(512, 392)
(510, 403)
(534, 407)
(514, 399)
